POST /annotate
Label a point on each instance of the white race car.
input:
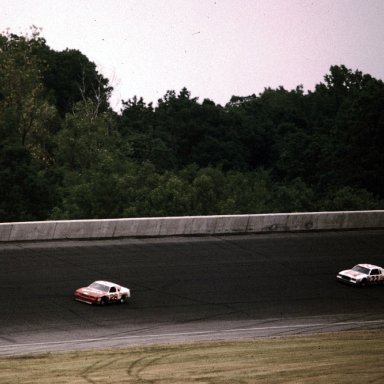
(102, 292)
(362, 274)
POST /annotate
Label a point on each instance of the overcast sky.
(215, 48)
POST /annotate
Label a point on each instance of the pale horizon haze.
(216, 49)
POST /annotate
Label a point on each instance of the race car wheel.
(364, 283)
(123, 300)
(103, 301)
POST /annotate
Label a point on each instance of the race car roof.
(369, 266)
(107, 283)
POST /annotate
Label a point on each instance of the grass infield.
(345, 357)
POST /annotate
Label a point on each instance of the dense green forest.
(65, 154)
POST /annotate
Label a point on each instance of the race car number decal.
(375, 278)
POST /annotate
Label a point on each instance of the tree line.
(65, 154)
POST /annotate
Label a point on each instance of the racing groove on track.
(185, 289)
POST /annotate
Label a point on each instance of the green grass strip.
(345, 357)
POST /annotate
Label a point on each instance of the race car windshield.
(100, 287)
(359, 268)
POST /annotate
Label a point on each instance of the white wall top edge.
(195, 217)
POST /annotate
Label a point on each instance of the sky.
(214, 48)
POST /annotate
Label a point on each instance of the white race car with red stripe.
(102, 292)
(362, 274)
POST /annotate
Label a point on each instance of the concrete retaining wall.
(190, 225)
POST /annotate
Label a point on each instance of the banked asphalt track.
(185, 289)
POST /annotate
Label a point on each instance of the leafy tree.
(293, 197)
(348, 115)
(171, 197)
(88, 138)
(25, 192)
(71, 77)
(137, 127)
(26, 116)
(246, 192)
(259, 122)
(350, 199)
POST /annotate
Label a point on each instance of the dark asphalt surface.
(185, 289)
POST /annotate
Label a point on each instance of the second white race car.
(362, 274)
